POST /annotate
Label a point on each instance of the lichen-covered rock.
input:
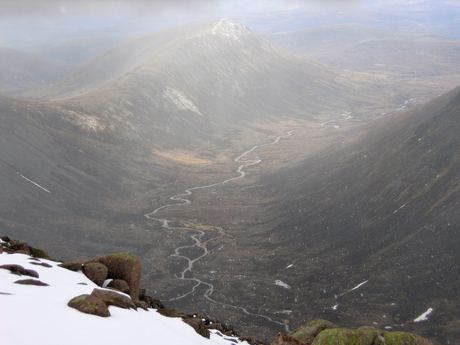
(38, 253)
(96, 272)
(19, 270)
(367, 336)
(120, 285)
(19, 247)
(72, 265)
(343, 336)
(310, 330)
(114, 298)
(402, 338)
(31, 282)
(90, 305)
(172, 313)
(199, 326)
(254, 341)
(125, 266)
(44, 264)
(153, 302)
(286, 339)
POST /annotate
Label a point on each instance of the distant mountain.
(143, 121)
(78, 51)
(21, 71)
(362, 48)
(198, 88)
(426, 15)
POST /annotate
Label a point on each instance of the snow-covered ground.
(38, 315)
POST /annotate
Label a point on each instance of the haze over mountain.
(21, 71)
(79, 50)
(363, 48)
(343, 200)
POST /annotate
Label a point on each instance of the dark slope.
(21, 71)
(59, 184)
(197, 88)
(384, 210)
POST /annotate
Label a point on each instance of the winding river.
(197, 235)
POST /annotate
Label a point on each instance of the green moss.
(343, 336)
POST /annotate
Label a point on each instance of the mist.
(270, 162)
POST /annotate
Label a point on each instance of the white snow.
(359, 285)
(282, 284)
(424, 316)
(35, 183)
(39, 314)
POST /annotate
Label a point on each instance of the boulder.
(120, 285)
(96, 272)
(114, 298)
(310, 330)
(198, 325)
(404, 338)
(343, 336)
(367, 336)
(19, 270)
(123, 266)
(254, 341)
(286, 339)
(153, 302)
(20, 247)
(31, 282)
(38, 253)
(72, 265)
(44, 264)
(172, 313)
(90, 305)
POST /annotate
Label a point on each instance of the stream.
(180, 199)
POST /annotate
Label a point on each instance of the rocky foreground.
(119, 277)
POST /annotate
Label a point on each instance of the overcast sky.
(24, 23)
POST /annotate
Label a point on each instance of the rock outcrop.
(322, 332)
(90, 305)
(125, 271)
(125, 266)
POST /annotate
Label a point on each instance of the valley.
(256, 185)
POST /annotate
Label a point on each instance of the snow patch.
(180, 100)
(282, 284)
(424, 316)
(230, 29)
(41, 316)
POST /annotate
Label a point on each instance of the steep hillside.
(137, 128)
(355, 224)
(382, 211)
(21, 71)
(146, 110)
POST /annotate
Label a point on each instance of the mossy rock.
(89, 305)
(402, 338)
(31, 282)
(310, 330)
(38, 253)
(343, 336)
(125, 266)
(114, 298)
(172, 313)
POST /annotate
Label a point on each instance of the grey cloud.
(96, 7)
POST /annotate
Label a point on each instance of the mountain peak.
(230, 29)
